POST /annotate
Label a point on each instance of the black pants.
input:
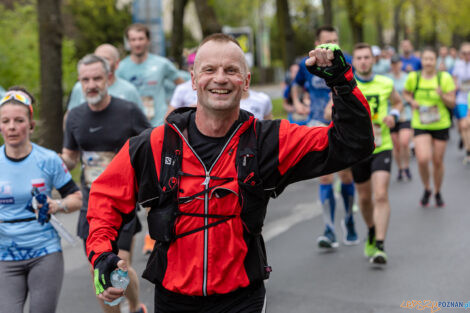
(246, 300)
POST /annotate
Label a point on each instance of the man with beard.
(117, 87)
(94, 133)
(147, 72)
(372, 175)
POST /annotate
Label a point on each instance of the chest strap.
(19, 220)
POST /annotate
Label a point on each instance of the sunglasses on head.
(19, 97)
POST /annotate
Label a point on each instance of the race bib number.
(429, 114)
(377, 134)
(94, 163)
(149, 107)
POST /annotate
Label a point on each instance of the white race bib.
(429, 114)
(94, 163)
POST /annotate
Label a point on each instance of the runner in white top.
(461, 75)
(257, 103)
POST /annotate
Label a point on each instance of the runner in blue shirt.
(147, 72)
(319, 98)
(410, 62)
(31, 259)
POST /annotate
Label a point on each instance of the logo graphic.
(5, 193)
(167, 161)
(39, 183)
(95, 129)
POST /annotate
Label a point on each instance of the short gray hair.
(93, 58)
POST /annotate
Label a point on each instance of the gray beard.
(97, 99)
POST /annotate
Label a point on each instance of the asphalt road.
(427, 249)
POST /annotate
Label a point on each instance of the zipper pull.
(206, 180)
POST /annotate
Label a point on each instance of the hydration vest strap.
(229, 217)
(19, 220)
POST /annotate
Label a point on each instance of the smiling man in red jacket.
(207, 176)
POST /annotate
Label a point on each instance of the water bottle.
(119, 279)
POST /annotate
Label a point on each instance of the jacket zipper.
(206, 198)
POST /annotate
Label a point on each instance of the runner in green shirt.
(430, 94)
(375, 170)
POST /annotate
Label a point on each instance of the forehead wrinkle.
(227, 50)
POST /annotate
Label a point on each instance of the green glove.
(336, 70)
(104, 265)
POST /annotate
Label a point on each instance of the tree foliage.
(98, 22)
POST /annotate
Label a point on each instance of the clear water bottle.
(119, 279)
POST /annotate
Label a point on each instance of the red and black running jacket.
(218, 246)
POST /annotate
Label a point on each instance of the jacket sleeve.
(112, 202)
(291, 153)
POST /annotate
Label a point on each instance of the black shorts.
(363, 170)
(125, 235)
(400, 125)
(250, 300)
(440, 134)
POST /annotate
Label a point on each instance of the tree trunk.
(177, 32)
(327, 12)
(356, 19)
(207, 18)
(380, 30)
(286, 33)
(50, 51)
(397, 23)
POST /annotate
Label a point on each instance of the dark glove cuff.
(109, 258)
(343, 83)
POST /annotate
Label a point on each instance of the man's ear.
(246, 83)
(193, 80)
(31, 127)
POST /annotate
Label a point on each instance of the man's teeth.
(219, 91)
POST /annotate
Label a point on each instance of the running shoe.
(425, 199)
(327, 240)
(379, 257)
(407, 174)
(369, 247)
(400, 175)
(349, 232)
(439, 201)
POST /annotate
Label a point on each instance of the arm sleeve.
(301, 74)
(112, 200)
(69, 139)
(448, 82)
(171, 72)
(60, 174)
(306, 152)
(410, 82)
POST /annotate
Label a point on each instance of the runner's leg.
(13, 288)
(380, 181)
(45, 282)
(423, 153)
(439, 148)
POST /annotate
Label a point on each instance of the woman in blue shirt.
(30, 252)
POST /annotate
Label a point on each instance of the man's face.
(443, 51)
(406, 47)
(138, 42)
(94, 82)
(363, 61)
(220, 76)
(327, 37)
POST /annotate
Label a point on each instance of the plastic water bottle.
(119, 279)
